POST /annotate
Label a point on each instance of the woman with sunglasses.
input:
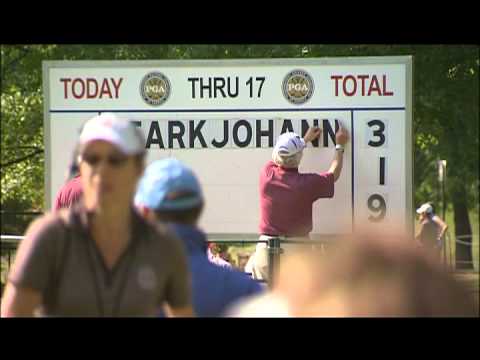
(99, 258)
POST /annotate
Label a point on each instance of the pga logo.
(298, 87)
(155, 88)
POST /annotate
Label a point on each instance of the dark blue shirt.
(213, 287)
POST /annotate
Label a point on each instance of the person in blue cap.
(170, 192)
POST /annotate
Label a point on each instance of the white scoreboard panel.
(222, 118)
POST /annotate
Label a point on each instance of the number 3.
(378, 132)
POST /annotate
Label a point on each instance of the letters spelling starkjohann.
(194, 134)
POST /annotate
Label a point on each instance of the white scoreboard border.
(387, 60)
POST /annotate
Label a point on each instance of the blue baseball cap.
(168, 184)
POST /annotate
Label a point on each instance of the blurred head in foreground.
(367, 275)
(370, 275)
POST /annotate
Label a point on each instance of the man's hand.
(341, 136)
(312, 133)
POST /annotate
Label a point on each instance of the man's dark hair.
(187, 216)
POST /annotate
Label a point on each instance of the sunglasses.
(112, 160)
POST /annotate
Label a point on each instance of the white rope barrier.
(465, 243)
(19, 238)
(11, 237)
(463, 236)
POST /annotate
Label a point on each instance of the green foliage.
(22, 129)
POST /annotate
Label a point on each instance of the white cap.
(425, 208)
(289, 144)
(119, 132)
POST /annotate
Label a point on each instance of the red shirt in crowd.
(286, 199)
(69, 194)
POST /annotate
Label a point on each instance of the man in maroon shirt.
(69, 194)
(282, 187)
(72, 190)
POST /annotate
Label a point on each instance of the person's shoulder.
(153, 230)
(204, 270)
(268, 170)
(242, 281)
(429, 223)
(48, 220)
(45, 228)
(213, 268)
(76, 183)
(237, 282)
(269, 165)
(162, 236)
(72, 184)
(69, 193)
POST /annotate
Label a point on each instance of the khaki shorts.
(259, 260)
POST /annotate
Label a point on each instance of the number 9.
(380, 208)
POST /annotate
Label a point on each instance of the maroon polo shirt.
(69, 194)
(286, 199)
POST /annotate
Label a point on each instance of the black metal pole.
(273, 259)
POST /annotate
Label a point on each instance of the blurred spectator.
(100, 258)
(217, 255)
(71, 192)
(432, 228)
(369, 275)
(169, 192)
(243, 258)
